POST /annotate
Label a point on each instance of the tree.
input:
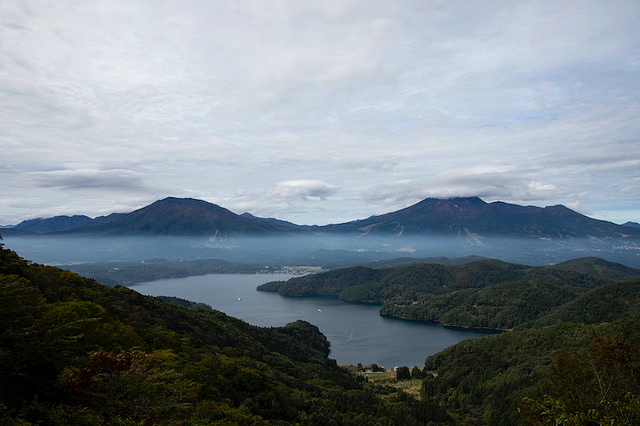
(403, 373)
(130, 385)
(601, 386)
(417, 373)
(376, 368)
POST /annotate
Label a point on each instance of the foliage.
(329, 283)
(481, 294)
(600, 268)
(183, 302)
(599, 385)
(500, 306)
(403, 373)
(486, 380)
(370, 285)
(606, 303)
(73, 351)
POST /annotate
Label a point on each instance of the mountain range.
(467, 217)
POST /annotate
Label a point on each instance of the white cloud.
(232, 101)
(303, 189)
(108, 180)
(290, 199)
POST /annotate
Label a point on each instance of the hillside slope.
(603, 304)
(368, 285)
(562, 374)
(481, 294)
(73, 351)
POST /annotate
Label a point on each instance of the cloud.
(303, 189)
(390, 102)
(81, 179)
(288, 199)
(515, 186)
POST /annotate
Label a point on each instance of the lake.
(358, 334)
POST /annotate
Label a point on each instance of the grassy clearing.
(388, 378)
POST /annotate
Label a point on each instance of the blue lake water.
(356, 332)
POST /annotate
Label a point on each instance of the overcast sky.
(318, 111)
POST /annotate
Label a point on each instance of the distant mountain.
(188, 216)
(53, 224)
(472, 217)
(64, 223)
(15, 232)
(632, 224)
(129, 273)
(273, 221)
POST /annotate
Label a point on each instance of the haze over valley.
(186, 229)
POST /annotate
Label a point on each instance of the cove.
(358, 334)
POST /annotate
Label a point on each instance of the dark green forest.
(74, 351)
(573, 374)
(483, 294)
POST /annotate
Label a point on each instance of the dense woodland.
(486, 294)
(73, 351)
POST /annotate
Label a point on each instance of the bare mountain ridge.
(465, 217)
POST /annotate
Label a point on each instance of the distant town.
(291, 270)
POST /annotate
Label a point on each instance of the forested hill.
(368, 285)
(569, 374)
(554, 372)
(481, 294)
(73, 351)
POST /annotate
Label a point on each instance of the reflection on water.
(356, 332)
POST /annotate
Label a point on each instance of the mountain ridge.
(473, 217)
(186, 216)
(467, 217)
(64, 223)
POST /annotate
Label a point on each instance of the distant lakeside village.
(291, 270)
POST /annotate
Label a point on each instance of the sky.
(318, 112)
